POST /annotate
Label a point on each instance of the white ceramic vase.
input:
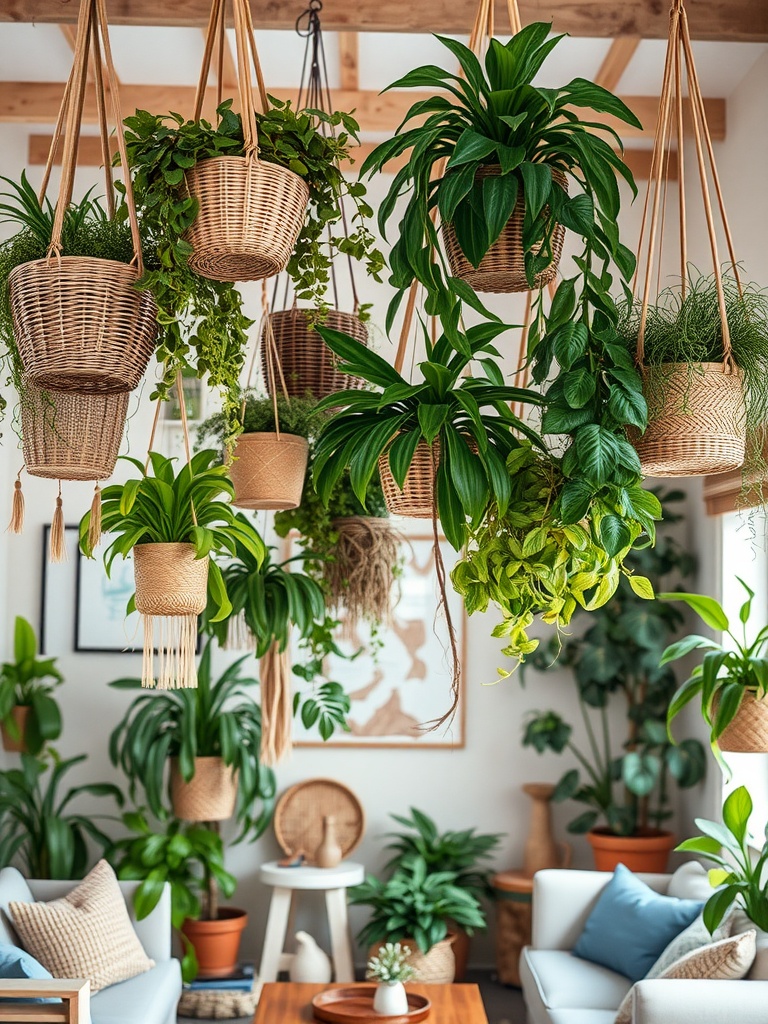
(309, 964)
(390, 999)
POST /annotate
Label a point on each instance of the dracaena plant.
(29, 681)
(493, 115)
(442, 407)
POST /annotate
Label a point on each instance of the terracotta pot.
(437, 967)
(461, 947)
(19, 715)
(646, 852)
(217, 943)
(209, 795)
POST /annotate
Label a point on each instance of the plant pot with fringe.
(169, 579)
(81, 324)
(211, 793)
(435, 967)
(747, 733)
(249, 217)
(19, 714)
(502, 269)
(268, 470)
(648, 851)
(217, 943)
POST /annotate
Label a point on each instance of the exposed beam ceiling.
(725, 19)
(38, 103)
(69, 33)
(615, 61)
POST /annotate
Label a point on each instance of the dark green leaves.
(499, 198)
(537, 185)
(470, 147)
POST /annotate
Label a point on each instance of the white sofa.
(149, 998)
(560, 988)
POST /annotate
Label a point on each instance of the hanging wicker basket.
(696, 420)
(417, 498)
(268, 470)
(308, 365)
(502, 269)
(66, 436)
(169, 579)
(748, 732)
(210, 794)
(81, 324)
(249, 218)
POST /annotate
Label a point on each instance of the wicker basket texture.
(169, 579)
(416, 499)
(308, 365)
(210, 794)
(748, 732)
(300, 811)
(268, 470)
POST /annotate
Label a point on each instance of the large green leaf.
(707, 608)
(499, 198)
(537, 186)
(471, 147)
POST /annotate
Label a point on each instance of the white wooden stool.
(285, 882)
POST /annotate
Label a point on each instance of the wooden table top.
(284, 1002)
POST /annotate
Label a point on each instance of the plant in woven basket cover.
(296, 416)
(493, 118)
(28, 682)
(390, 964)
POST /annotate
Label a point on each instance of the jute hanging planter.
(308, 365)
(747, 733)
(361, 575)
(211, 793)
(416, 499)
(268, 470)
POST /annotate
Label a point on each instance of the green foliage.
(618, 660)
(727, 670)
(218, 718)
(456, 852)
(417, 904)
(184, 507)
(29, 681)
(295, 416)
(38, 829)
(533, 557)
(740, 877)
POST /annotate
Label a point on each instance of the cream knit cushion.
(727, 960)
(86, 934)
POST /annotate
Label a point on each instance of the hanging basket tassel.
(94, 525)
(175, 640)
(16, 524)
(239, 636)
(276, 710)
(58, 549)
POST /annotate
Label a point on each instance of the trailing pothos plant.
(493, 116)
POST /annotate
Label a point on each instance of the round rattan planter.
(66, 436)
(210, 794)
(748, 732)
(437, 967)
(696, 420)
(308, 365)
(217, 943)
(646, 852)
(249, 218)
(81, 325)
(502, 269)
(416, 499)
(268, 470)
(169, 579)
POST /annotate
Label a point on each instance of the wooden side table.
(289, 1003)
(514, 917)
(73, 1008)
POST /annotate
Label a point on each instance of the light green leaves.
(707, 608)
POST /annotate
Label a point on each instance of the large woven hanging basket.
(748, 732)
(210, 794)
(417, 498)
(308, 365)
(268, 470)
(436, 967)
(66, 436)
(81, 324)
(696, 420)
(249, 218)
(502, 269)
(169, 579)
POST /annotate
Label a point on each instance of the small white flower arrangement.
(390, 968)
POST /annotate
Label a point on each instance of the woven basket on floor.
(210, 794)
(214, 1004)
(416, 499)
(437, 967)
(696, 420)
(250, 216)
(308, 365)
(748, 732)
(169, 579)
(268, 470)
(81, 325)
(66, 436)
(502, 269)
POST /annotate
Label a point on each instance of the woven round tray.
(300, 811)
(307, 364)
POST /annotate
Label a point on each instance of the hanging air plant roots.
(361, 575)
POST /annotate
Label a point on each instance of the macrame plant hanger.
(722, 407)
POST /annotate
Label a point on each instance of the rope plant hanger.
(250, 212)
(698, 419)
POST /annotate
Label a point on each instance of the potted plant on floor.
(29, 714)
(618, 660)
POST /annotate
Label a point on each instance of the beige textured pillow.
(727, 960)
(86, 934)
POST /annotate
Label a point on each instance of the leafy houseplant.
(29, 714)
(37, 826)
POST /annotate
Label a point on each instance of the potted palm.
(29, 714)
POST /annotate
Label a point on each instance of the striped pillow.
(86, 934)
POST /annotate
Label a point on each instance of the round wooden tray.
(343, 1005)
(300, 811)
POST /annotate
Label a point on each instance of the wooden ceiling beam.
(725, 20)
(615, 62)
(38, 103)
(349, 60)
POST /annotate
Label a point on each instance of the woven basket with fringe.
(268, 470)
(169, 579)
(249, 218)
(308, 365)
(210, 794)
(81, 324)
(502, 269)
(416, 499)
(748, 732)
(66, 436)
(696, 420)
(437, 967)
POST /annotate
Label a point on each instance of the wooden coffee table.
(284, 1002)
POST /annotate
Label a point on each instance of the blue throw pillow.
(631, 925)
(18, 965)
